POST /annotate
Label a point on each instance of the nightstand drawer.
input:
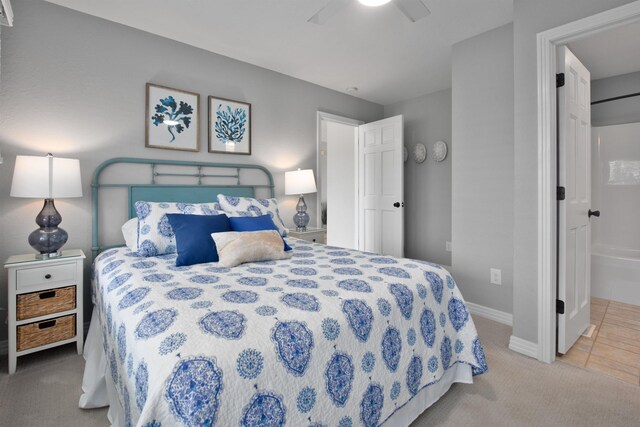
(46, 332)
(45, 302)
(45, 275)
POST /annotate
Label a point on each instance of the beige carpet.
(516, 391)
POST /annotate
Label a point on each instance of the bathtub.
(615, 273)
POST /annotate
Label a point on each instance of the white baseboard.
(491, 313)
(525, 347)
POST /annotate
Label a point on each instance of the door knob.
(593, 213)
(396, 204)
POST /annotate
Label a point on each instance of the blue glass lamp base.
(48, 239)
(301, 218)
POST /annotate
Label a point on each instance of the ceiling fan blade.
(413, 9)
(327, 11)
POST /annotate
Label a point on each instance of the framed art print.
(172, 119)
(229, 126)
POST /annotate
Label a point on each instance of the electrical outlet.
(447, 246)
(496, 276)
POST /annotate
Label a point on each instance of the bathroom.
(610, 344)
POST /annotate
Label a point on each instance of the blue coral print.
(176, 116)
(230, 125)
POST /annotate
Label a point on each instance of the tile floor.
(614, 346)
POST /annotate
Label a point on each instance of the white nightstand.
(45, 303)
(311, 235)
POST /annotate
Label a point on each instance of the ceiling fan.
(414, 10)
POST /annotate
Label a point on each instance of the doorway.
(361, 180)
(548, 43)
(337, 148)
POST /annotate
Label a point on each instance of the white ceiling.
(610, 53)
(377, 50)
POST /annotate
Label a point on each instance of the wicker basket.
(45, 332)
(46, 302)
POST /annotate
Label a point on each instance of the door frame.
(322, 116)
(547, 42)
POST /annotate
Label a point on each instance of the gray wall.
(530, 18)
(620, 111)
(482, 174)
(74, 85)
(427, 186)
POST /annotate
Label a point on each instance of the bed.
(329, 337)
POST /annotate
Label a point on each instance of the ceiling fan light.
(374, 3)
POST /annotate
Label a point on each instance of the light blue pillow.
(155, 235)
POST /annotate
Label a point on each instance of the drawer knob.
(47, 276)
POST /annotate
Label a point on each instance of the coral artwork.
(229, 126)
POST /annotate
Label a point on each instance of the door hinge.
(559, 306)
(560, 193)
(559, 79)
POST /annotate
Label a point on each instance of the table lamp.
(47, 178)
(300, 182)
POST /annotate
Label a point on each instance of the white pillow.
(155, 235)
(248, 206)
(130, 234)
(237, 247)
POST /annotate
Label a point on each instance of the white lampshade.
(299, 182)
(46, 177)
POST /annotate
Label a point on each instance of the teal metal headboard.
(197, 192)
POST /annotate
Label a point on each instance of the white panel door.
(574, 174)
(342, 185)
(381, 187)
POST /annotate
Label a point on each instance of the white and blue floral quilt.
(330, 337)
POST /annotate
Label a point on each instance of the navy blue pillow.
(255, 223)
(193, 237)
